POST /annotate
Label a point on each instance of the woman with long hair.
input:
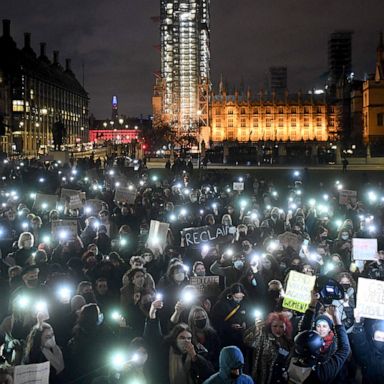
(41, 347)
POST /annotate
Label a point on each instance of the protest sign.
(44, 202)
(125, 195)
(157, 237)
(364, 249)
(209, 233)
(370, 298)
(238, 186)
(64, 229)
(289, 239)
(347, 196)
(298, 293)
(66, 193)
(75, 202)
(207, 285)
(32, 373)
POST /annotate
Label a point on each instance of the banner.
(32, 373)
(64, 229)
(208, 233)
(347, 196)
(125, 195)
(364, 249)
(298, 293)
(207, 285)
(44, 202)
(157, 236)
(238, 186)
(370, 298)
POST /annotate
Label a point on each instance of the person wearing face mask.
(198, 269)
(229, 315)
(231, 368)
(231, 266)
(171, 286)
(178, 360)
(367, 342)
(85, 289)
(347, 305)
(42, 347)
(153, 264)
(204, 336)
(271, 344)
(343, 246)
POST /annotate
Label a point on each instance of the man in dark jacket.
(305, 366)
(369, 354)
(231, 367)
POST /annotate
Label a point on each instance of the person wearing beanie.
(323, 325)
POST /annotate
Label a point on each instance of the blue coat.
(230, 358)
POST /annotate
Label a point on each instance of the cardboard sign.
(237, 186)
(298, 293)
(125, 195)
(289, 239)
(347, 196)
(32, 373)
(66, 193)
(370, 298)
(44, 202)
(64, 229)
(75, 202)
(157, 236)
(207, 285)
(364, 249)
(208, 233)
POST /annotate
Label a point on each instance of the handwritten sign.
(237, 186)
(209, 233)
(207, 285)
(370, 298)
(364, 249)
(298, 293)
(32, 373)
(75, 202)
(125, 195)
(347, 196)
(64, 229)
(157, 236)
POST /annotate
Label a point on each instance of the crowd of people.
(103, 301)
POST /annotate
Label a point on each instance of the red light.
(144, 146)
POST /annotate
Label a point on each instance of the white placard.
(32, 374)
(370, 298)
(364, 249)
(157, 237)
(237, 186)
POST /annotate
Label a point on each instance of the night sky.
(115, 39)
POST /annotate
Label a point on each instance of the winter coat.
(370, 359)
(230, 358)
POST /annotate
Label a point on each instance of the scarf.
(179, 368)
(55, 358)
(328, 340)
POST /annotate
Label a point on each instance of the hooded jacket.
(230, 358)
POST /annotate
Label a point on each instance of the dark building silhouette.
(36, 93)
(278, 79)
(339, 58)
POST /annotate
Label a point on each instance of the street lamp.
(105, 124)
(121, 121)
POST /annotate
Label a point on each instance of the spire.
(379, 74)
(221, 84)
